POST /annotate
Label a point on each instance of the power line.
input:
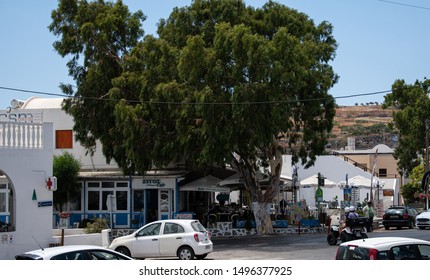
(33, 91)
(403, 4)
(204, 103)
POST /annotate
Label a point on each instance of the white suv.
(184, 239)
(384, 248)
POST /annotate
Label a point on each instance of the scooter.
(355, 228)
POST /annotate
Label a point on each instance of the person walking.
(369, 212)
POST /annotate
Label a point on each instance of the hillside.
(368, 124)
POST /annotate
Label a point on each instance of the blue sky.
(378, 42)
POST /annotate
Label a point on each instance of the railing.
(355, 163)
(14, 135)
(364, 167)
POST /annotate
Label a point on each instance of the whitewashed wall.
(28, 168)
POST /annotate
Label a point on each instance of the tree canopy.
(412, 189)
(66, 168)
(221, 79)
(412, 104)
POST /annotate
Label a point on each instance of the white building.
(25, 200)
(338, 171)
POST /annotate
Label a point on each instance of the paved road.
(291, 246)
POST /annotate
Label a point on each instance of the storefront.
(137, 200)
(153, 199)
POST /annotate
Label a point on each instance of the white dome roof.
(42, 103)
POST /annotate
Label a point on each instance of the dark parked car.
(399, 216)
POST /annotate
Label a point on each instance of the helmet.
(351, 209)
(346, 209)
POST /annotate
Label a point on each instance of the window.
(171, 228)
(383, 255)
(153, 229)
(405, 252)
(121, 200)
(424, 251)
(138, 200)
(79, 255)
(93, 200)
(352, 253)
(7, 220)
(103, 255)
(74, 203)
(98, 192)
(63, 139)
(3, 200)
(383, 172)
(105, 197)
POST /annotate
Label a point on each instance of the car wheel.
(331, 239)
(201, 257)
(185, 253)
(124, 251)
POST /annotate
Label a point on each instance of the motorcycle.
(355, 228)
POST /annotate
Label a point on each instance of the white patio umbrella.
(313, 181)
(309, 185)
(361, 181)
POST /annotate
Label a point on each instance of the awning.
(205, 184)
(234, 182)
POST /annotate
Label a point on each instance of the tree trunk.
(261, 200)
(263, 223)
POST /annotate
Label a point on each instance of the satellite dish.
(15, 103)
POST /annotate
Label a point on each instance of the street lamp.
(295, 179)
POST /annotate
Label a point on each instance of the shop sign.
(388, 192)
(22, 117)
(156, 183)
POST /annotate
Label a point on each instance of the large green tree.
(222, 83)
(411, 103)
(413, 188)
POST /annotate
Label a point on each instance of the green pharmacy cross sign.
(319, 191)
(319, 194)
